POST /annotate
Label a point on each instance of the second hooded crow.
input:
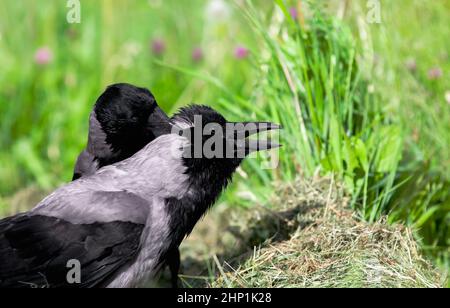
(125, 118)
(121, 223)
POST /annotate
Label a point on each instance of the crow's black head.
(130, 118)
(124, 120)
(217, 146)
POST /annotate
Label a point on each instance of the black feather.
(130, 118)
(207, 178)
(34, 251)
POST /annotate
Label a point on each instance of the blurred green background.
(45, 106)
(367, 102)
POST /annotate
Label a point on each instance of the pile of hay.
(311, 239)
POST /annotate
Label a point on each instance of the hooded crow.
(121, 223)
(124, 120)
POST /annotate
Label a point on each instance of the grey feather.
(86, 165)
(129, 191)
(97, 138)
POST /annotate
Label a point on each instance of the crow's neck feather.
(207, 180)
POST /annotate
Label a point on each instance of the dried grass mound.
(329, 248)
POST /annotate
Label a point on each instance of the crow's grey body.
(133, 190)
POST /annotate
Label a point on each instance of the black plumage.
(35, 251)
(130, 118)
(124, 120)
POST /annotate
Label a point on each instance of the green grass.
(314, 81)
(44, 110)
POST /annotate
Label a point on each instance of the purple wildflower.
(294, 13)
(435, 73)
(197, 54)
(241, 52)
(158, 46)
(43, 56)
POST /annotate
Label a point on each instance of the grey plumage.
(121, 191)
(97, 146)
(134, 191)
(85, 165)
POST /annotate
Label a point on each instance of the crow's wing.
(84, 203)
(35, 251)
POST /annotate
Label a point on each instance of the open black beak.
(243, 130)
